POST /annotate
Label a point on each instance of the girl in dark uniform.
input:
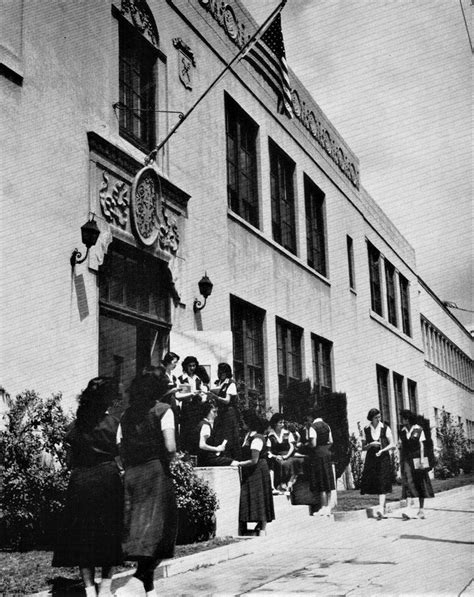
(377, 473)
(208, 451)
(256, 499)
(226, 426)
(91, 531)
(147, 445)
(414, 462)
(321, 477)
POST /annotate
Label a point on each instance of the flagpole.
(151, 156)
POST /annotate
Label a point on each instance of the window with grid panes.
(134, 312)
(283, 199)
(247, 337)
(398, 393)
(412, 398)
(405, 305)
(350, 261)
(322, 370)
(375, 281)
(289, 355)
(241, 133)
(315, 226)
(137, 88)
(390, 289)
(384, 396)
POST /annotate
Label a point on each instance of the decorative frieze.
(140, 16)
(114, 201)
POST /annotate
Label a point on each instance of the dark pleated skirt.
(91, 528)
(415, 483)
(150, 515)
(226, 426)
(377, 474)
(321, 477)
(256, 499)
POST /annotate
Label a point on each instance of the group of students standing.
(121, 503)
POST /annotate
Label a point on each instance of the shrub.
(452, 449)
(298, 400)
(34, 479)
(356, 461)
(195, 498)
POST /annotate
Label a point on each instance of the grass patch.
(27, 572)
(351, 499)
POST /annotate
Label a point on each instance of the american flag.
(269, 59)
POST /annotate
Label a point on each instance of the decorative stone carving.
(141, 17)
(169, 232)
(146, 205)
(114, 204)
(185, 62)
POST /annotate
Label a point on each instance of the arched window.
(138, 52)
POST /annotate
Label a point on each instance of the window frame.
(289, 353)
(246, 129)
(247, 321)
(390, 293)
(350, 261)
(321, 350)
(315, 226)
(141, 52)
(283, 199)
(404, 286)
(375, 276)
(383, 391)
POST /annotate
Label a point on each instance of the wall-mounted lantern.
(205, 288)
(89, 234)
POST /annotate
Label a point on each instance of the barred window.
(289, 354)
(375, 281)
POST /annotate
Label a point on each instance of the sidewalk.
(347, 554)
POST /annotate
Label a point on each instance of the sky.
(394, 77)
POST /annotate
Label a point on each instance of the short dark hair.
(410, 416)
(187, 361)
(169, 358)
(226, 368)
(373, 412)
(276, 418)
(254, 422)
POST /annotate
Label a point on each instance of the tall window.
(384, 396)
(315, 226)
(134, 313)
(405, 305)
(390, 286)
(247, 335)
(412, 398)
(289, 354)
(398, 391)
(375, 282)
(241, 134)
(136, 87)
(350, 261)
(322, 370)
(283, 199)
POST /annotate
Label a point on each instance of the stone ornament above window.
(185, 62)
(150, 220)
(138, 13)
(114, 200)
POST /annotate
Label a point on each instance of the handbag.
(301, 494)
(421, 463)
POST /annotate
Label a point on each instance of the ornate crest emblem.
(146, 205)
(186, 62)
